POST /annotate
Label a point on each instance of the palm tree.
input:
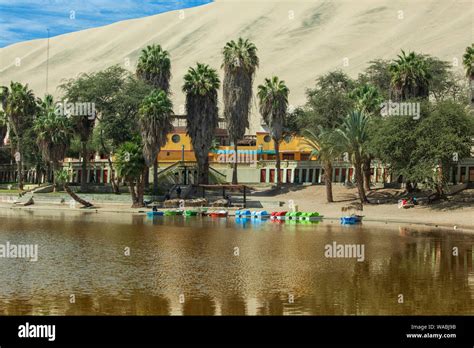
(54, 133)
(200, 86)
(326, 146)
(62, 178)
(154, 67)
(468, 62)
(131, 165)
(367, 100)
(154, 118)
(353, 133)
(273, 97)
(410, 76)
(19, 106)
(240, 63)
(3, 127)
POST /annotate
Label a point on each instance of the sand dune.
(297, 40)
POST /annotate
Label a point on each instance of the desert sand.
(297, 40)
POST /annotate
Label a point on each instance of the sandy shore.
(454, 214)
(446, 214)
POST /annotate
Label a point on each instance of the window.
(267, 138)
(288, 139)
(288, 156)
(305, 157)
(176, 138)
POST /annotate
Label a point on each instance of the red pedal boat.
(276, 215)
(218, 214)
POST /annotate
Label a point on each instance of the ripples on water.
(192, 259)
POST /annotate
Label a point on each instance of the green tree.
(240, 63)
(354, 138)
(378, 74)
(329, 102)
(445, 133)
(273, 98)
(200, 86)
(327, 147)
(19, 105)
(100, 89)
(54, 132)
(422, 151)
(131, 166)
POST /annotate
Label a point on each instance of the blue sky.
(22, 20)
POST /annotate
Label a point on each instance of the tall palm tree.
(468, 62)
(410, 76)
(154, 67)
(326, 146)
(54, 133)
(19, 106)
(200, 86)
(154, 118)
(240, 63)
(273, 97)
(3, 127)
(367, 100)
(354, 137)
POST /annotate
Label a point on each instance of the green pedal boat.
(310, 217)
(173, 212)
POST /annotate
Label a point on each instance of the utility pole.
(47, 63)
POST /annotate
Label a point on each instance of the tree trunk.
(360, 180)
(366, 167)
(76, 197)
(140, 190)
(37, 176)
(235, 180)
(203, 169)
(84, 154)
(328, 181)
(19, 166)
(115, 187)
(55, 168)
(471, 85)
(278, 161)
(131, 187)
(155, 177)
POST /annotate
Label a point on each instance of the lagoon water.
(118, 264)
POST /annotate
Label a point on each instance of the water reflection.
(181, 266)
